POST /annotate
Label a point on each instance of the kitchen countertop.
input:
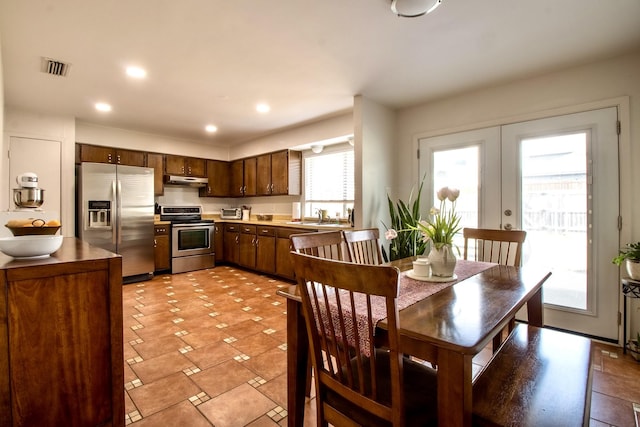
(277, 222)
(311, 225)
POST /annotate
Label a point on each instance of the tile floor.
(208, 348)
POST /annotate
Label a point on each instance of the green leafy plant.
(405, 238)
(631, 251)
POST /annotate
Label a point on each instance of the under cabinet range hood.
(189, 181)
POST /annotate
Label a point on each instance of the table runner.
(410, 291)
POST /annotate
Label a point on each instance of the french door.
(557, 179)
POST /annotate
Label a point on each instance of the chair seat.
(420, 394)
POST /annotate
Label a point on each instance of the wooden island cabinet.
(61, 350)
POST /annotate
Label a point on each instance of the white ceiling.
(211, 61)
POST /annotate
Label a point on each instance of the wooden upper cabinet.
(218, 175)
(156, 161)
(279, 173)
(286, 172)
(188, 166)
(263, 175)
(236, 185)
(250, 178)
(98, 154)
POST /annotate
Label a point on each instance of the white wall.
(374, 128)
(89, 133)
(43, 126)
(329, 128)
(612, 82)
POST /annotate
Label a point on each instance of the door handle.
(119, 206)
(508, 227)
(116, 220)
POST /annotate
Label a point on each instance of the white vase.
(442, 261)
(633, 269)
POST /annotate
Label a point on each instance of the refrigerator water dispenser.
(99, 213)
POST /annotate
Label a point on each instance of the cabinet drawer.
(231, 228)
(161, 230)
(248, 229)
(266, 231)
(284, 233)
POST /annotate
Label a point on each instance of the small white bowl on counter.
(31, 246)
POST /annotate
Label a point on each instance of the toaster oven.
(231, 213)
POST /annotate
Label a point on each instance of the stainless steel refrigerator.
(116, 212)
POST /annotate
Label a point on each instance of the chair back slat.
(338, 296)
(322, 244)
(499, 246)
(363, 246)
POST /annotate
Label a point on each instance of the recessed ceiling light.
(263, 108)
(211, 128)
(102, 106)
(136, 72)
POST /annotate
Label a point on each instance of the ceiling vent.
(53, 67)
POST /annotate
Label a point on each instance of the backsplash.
(278, 205)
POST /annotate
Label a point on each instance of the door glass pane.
(458, 168)
(554, 191)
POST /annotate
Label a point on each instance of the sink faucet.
(319, 212)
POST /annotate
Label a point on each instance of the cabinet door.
(218, 240)
(162, 248)
(280, 173)
(174, 165)
(247, 250)
(237, 178)
(96, 154)
(231, 244)
(284, 266)
(218, 175)
(263, 175)
(66, 379)
(195, 167)
(156, 161)
(250, 176)
(130, 157)
(266, 253)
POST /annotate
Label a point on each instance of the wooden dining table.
(447, 328)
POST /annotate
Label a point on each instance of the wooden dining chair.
(322, 244)
(363, 246)
(499, 246)
(357, 383)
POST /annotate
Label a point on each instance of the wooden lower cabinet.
(247, 246)
(162, 247)
(61, 350)
(284, 267)
(261, 248)
(232, 243)
(266, 249)
(218, 242)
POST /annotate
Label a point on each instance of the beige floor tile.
(182, 414)
(160, 367)
(161, 394)
(221, 378)
(237, 407)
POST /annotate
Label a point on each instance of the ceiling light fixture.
(413, 8)
(136, 72)
(263, 108)
(317, 148)
(211, 128)
(103, 106)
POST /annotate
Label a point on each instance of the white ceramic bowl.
(30, 246)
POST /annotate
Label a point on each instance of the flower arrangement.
(403, 234)
(445, 223)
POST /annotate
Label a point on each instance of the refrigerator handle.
(119, 210)
(114, 218)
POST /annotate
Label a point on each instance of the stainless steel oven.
(192, 238)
